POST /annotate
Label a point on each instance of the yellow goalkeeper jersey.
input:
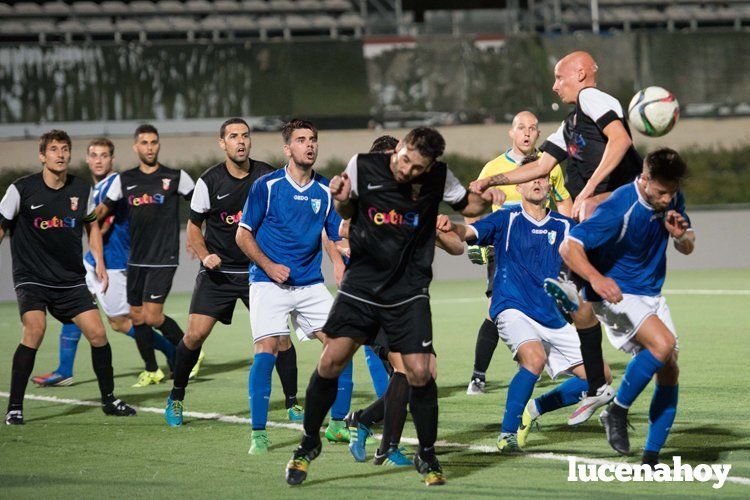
(504, 163)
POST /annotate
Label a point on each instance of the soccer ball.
(653, 111)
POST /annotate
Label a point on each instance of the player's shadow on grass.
(367, 474)
(36, 480)
(703, 444)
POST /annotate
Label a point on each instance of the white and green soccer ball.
(653, 111)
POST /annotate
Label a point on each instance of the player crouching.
(526, 241)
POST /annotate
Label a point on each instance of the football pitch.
(71, 449)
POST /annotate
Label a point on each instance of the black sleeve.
(197, 217)
(462, 203)
(553, 149)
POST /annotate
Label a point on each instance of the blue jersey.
(287, 221)
(526, 252)
(625, 239)
(117, 239)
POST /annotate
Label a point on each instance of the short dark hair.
(665, 164)
(384, 143)
(102, 141)
(231, 121)
(54, 135)
(527, 159)
(427, 141)
(297, 124)
(145, 128)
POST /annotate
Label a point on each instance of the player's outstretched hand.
(277, 272)
(479, 186)
(675, 223)
(212, 261)
(607, 289)
(494, 196)
(585, 194)
(444, 223)
(340, 187)
(102, 276)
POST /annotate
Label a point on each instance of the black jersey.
(581, 141)
(218, 200)
(46, 227)
(392, 233)
(153, 205)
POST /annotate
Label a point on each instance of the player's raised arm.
(448, 241)
(344, 190)
(677, 224)
(540, 168)
(114, 194)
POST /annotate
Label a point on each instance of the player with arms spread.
(392, 201)
(46, 214)
(621, 252)
(152, 192)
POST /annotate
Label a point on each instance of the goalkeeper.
(524, 132)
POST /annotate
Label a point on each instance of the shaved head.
(523, 115)
(524, 132)
(573, 73)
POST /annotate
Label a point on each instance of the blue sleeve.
(489, 227)
(256, 206)
(679, 206)
(333, 222)
(605, 223)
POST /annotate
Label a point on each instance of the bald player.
(595, 140)
(524, 133)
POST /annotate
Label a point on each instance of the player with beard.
(392, 201)
(46, 214)
(152, 193)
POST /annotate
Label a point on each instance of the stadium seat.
(309, 5)
(298, 22)
(5, 10)
(282, 6)
(99, 26)
(38, 26)
(214, 22)
(351, 20)
(86, 8)
(71, 26)
(128, 26)
(157, 25)
(28, 9)
(271, 23)
(337, 5)
(13, 28)
(182, 23)
(199, 6)
(242, 23)
(229, 6)
(115, 8)
(171, 7)
(323, 21)
(142, 7)
(254, 6)
(56, 9)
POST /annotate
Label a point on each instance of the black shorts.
(149, 284)
(215, 294)
(490, 270)
(408, 327)
(63, 304)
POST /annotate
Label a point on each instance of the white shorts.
(115, 300)
(622, 320)
(272, 305)
(561, 344)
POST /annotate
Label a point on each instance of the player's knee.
(33, 336)
(269, 345)
(153, 319)
(285, 343)
(120, 324)
(330, 367)
(418, 373)
(670, 373)
(97, 336)
(663, 346)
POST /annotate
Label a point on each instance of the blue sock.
(70, 334)
(661, 416)
(259, 388)
(163, 345)
(638, 374)
(377, 372)
(566, 394)
(344, 395)
(131, 332)
(519, 392)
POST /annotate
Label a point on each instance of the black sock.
(171, 330)
(593, 360)
(423, 403)
(286, 367)
(23, 365)
(144, 339)
(185, 360)
(101, 361)
(486, 343)
(373, 413)
(396, 398)
(320, 395)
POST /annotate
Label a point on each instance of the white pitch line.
(229, 419)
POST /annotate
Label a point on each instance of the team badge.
(74, 203)
(316, 203)
(165, 184)
(551, 237)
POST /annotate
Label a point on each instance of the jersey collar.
(294, 183)
(537, 223)
(510, 158)
(641, 199)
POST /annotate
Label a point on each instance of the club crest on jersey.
(74, 203)
(551, 237)
(316, 204)
(165, 184)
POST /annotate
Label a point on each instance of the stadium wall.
(721, 243)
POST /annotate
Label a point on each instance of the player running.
(595, 140)
(392, 201)
(280, 231)
(526, 318)
(621, 252)
(100, 157)
(217, 203)
(524, 133)
(152, 193)
(46, 214)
